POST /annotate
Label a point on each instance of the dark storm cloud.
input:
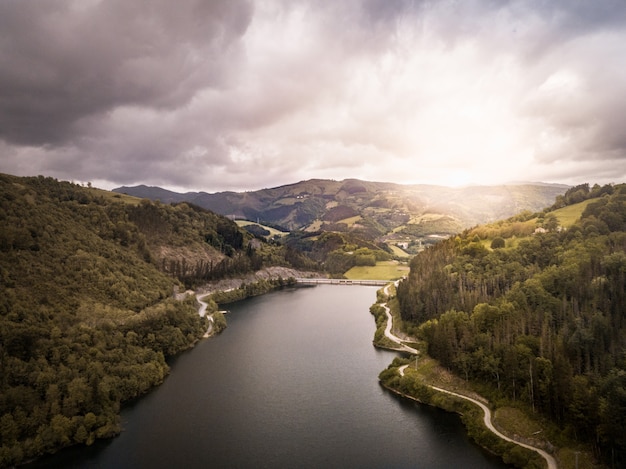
(235, 94)
(61, 61)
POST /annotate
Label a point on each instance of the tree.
(497, 243)
(551, 223)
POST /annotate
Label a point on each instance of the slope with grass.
(384, 270)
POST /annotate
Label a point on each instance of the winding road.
(203, 306)
(552, 464)
(487, 419)
(388, 332)
(202, 312)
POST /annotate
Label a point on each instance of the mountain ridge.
(374, 209)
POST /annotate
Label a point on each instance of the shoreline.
(273, 278)
(487, 414)
(267, 274)
(488, 422)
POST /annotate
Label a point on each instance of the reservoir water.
(291, 383)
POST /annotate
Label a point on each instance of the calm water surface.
(292, 382)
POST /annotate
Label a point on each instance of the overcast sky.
(241, 95)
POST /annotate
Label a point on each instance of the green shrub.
(497, 243)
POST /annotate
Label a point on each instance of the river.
(292, 382)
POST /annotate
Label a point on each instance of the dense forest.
(337, 252)
(88, 314)
(535, 308)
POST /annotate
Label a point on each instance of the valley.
(98, 274)
(405, 218)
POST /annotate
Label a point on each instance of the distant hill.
(372, 209)
(154, 193)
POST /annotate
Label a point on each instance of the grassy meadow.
(386, 270)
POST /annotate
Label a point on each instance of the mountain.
(531, 310)
(88, 311)
(373, 209)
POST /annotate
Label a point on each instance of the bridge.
(341, 281)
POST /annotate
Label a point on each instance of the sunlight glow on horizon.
(275, 92)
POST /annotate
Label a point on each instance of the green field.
(398, 252)
(315, 226)
(286, 201)
(425, 218)
(272, 231)
(567, 216)
(351, 221)
(129, 199)
(387, 270)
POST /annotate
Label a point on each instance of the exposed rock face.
(264, 274)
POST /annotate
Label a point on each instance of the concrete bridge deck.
(341, 281)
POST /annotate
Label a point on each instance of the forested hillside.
(87, 311)
(535, 306)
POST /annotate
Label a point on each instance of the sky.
(218, 95)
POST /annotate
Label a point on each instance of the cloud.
(63, 61)
(216, 95)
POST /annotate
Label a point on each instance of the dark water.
(292, 382)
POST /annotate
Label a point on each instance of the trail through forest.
(552, 464)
